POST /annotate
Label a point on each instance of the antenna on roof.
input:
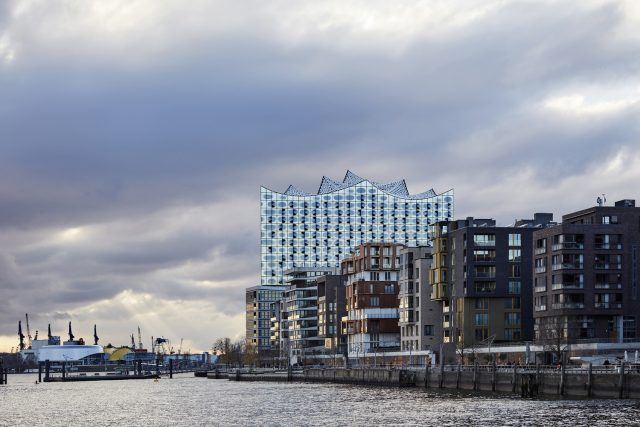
(601, 200)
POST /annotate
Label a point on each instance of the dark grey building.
(586, 276)
(420, 317)
(331, 308)
(482, 275)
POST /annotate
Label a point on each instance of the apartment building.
(482, 275)
(371, 322)
(586, 276)
(420, 318)
(258, 300)
(331, 309)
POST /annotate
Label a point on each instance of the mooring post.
(39, 372)
(493, 375)
(441, 374)
(458, 377)
(562, 378)
(621, 381)
(1, 372)
(426, 375)
(64, 370)
(589, 379)
(47, 369)
(475, 375)
(170, 369)
(538, 376)
(514, 378)
(157, 366)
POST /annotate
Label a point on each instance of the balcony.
(608, 305)
(540, 289)
(446, 308)
(567, 266)
(607, 266)
(567, 306)
(611, 246)
(540, 251)
(540, 308)
(608, 286)
(557, 286)
(568, 245)
(541, 269)
(446, 324)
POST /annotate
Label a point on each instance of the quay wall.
(526, 382)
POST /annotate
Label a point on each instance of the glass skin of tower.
(320, 230)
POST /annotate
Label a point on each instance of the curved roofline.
(409, 197)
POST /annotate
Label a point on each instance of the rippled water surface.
(186, 400)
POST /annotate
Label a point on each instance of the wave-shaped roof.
(328, 185)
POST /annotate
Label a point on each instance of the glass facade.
(300, 229)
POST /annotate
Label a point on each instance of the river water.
(188, 401)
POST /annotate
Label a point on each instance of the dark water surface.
(189, 401)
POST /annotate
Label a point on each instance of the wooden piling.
(39, 372)
(621, 381)
(589, 379)
(514, 378)
(562, 378)
(493, 375)
(475, 375)
(170, 369)
(47, 369)
(441, 379)
(64, 370)
(458, 378)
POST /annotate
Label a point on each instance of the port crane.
(20, 335)
(139, 339)
(180, 348)
(95, 335)
(28, 331)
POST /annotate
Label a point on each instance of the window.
(514, 255)
(512, 319)
(484, 271)
(481, 319)
(484, 287)
(514, 270)
(515, 239)
(484, 255)
(484, 239)
(482, 334)
(512, 303)
(515, 286)
(375, 301)
(428, 330)
(375, 276)
(481, 304)
(389, 289)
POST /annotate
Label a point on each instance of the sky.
(135, 135)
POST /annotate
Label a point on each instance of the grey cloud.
(120, 137)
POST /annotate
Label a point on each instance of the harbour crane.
(139, 339)
(133, 343)
(21, 335)
(71, 336)
(49, 331)
(28, 331)
(95, 335)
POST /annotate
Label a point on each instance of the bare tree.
(552, 335)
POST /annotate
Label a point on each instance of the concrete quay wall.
(526, 382)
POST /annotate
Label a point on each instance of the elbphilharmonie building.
(300, 229)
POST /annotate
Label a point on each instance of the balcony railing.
(607, 266)
(542, 250)
(567, 305)
(540, 289)
(541, 307)
(613, 246)
(557, 286)
(541, 269)
(567, 245)
(483, 275)
(608, 286)
(570, 266)
(608, 305)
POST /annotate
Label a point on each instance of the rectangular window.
(484, 287)
(515, 286)
(428, 330)
(512, 319)
(484, 271)
(481, 304)
(484, 239)
(484, 255)
(375, 301)
(515, 255)
(514, 270)
(481, 319)
(389, 289)
(515, 239)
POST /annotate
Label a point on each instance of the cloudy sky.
(134, 135)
